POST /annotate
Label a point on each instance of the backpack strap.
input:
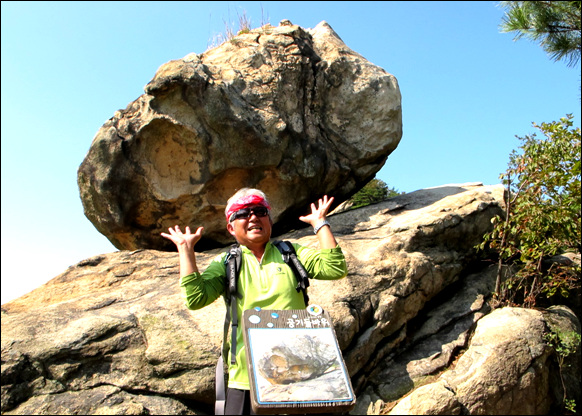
(290, 257)
(233, 264)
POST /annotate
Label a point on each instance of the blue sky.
(467, 91)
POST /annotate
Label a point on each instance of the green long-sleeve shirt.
(269, 284)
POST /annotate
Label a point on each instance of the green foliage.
(373, 192)
(554, 24)
(564, 344)
(542, 216)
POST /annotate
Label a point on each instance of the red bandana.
(247, 201)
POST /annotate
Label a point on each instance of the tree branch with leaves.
(554, 24)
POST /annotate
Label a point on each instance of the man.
(265, 280)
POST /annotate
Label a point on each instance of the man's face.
(252, 230)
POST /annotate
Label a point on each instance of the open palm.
(185, 238)
(319, 212)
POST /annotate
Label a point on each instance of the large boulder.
(291, 111)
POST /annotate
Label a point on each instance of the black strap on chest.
(290, 257)
(233, 263)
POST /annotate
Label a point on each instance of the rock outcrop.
(508, 362)
(291, 111)
(111, 335)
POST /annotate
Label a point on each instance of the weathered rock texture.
(111, 334)
(291, 111)
(508, 362)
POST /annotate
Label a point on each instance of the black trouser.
(238, 402)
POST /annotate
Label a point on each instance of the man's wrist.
(320, 225)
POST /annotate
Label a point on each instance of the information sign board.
(295, 363)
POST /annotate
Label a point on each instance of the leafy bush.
(542, 217)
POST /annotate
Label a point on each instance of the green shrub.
(542, 217)
(373, 192)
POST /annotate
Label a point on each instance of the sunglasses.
(244, 213)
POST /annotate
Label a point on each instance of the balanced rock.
(292, 111)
